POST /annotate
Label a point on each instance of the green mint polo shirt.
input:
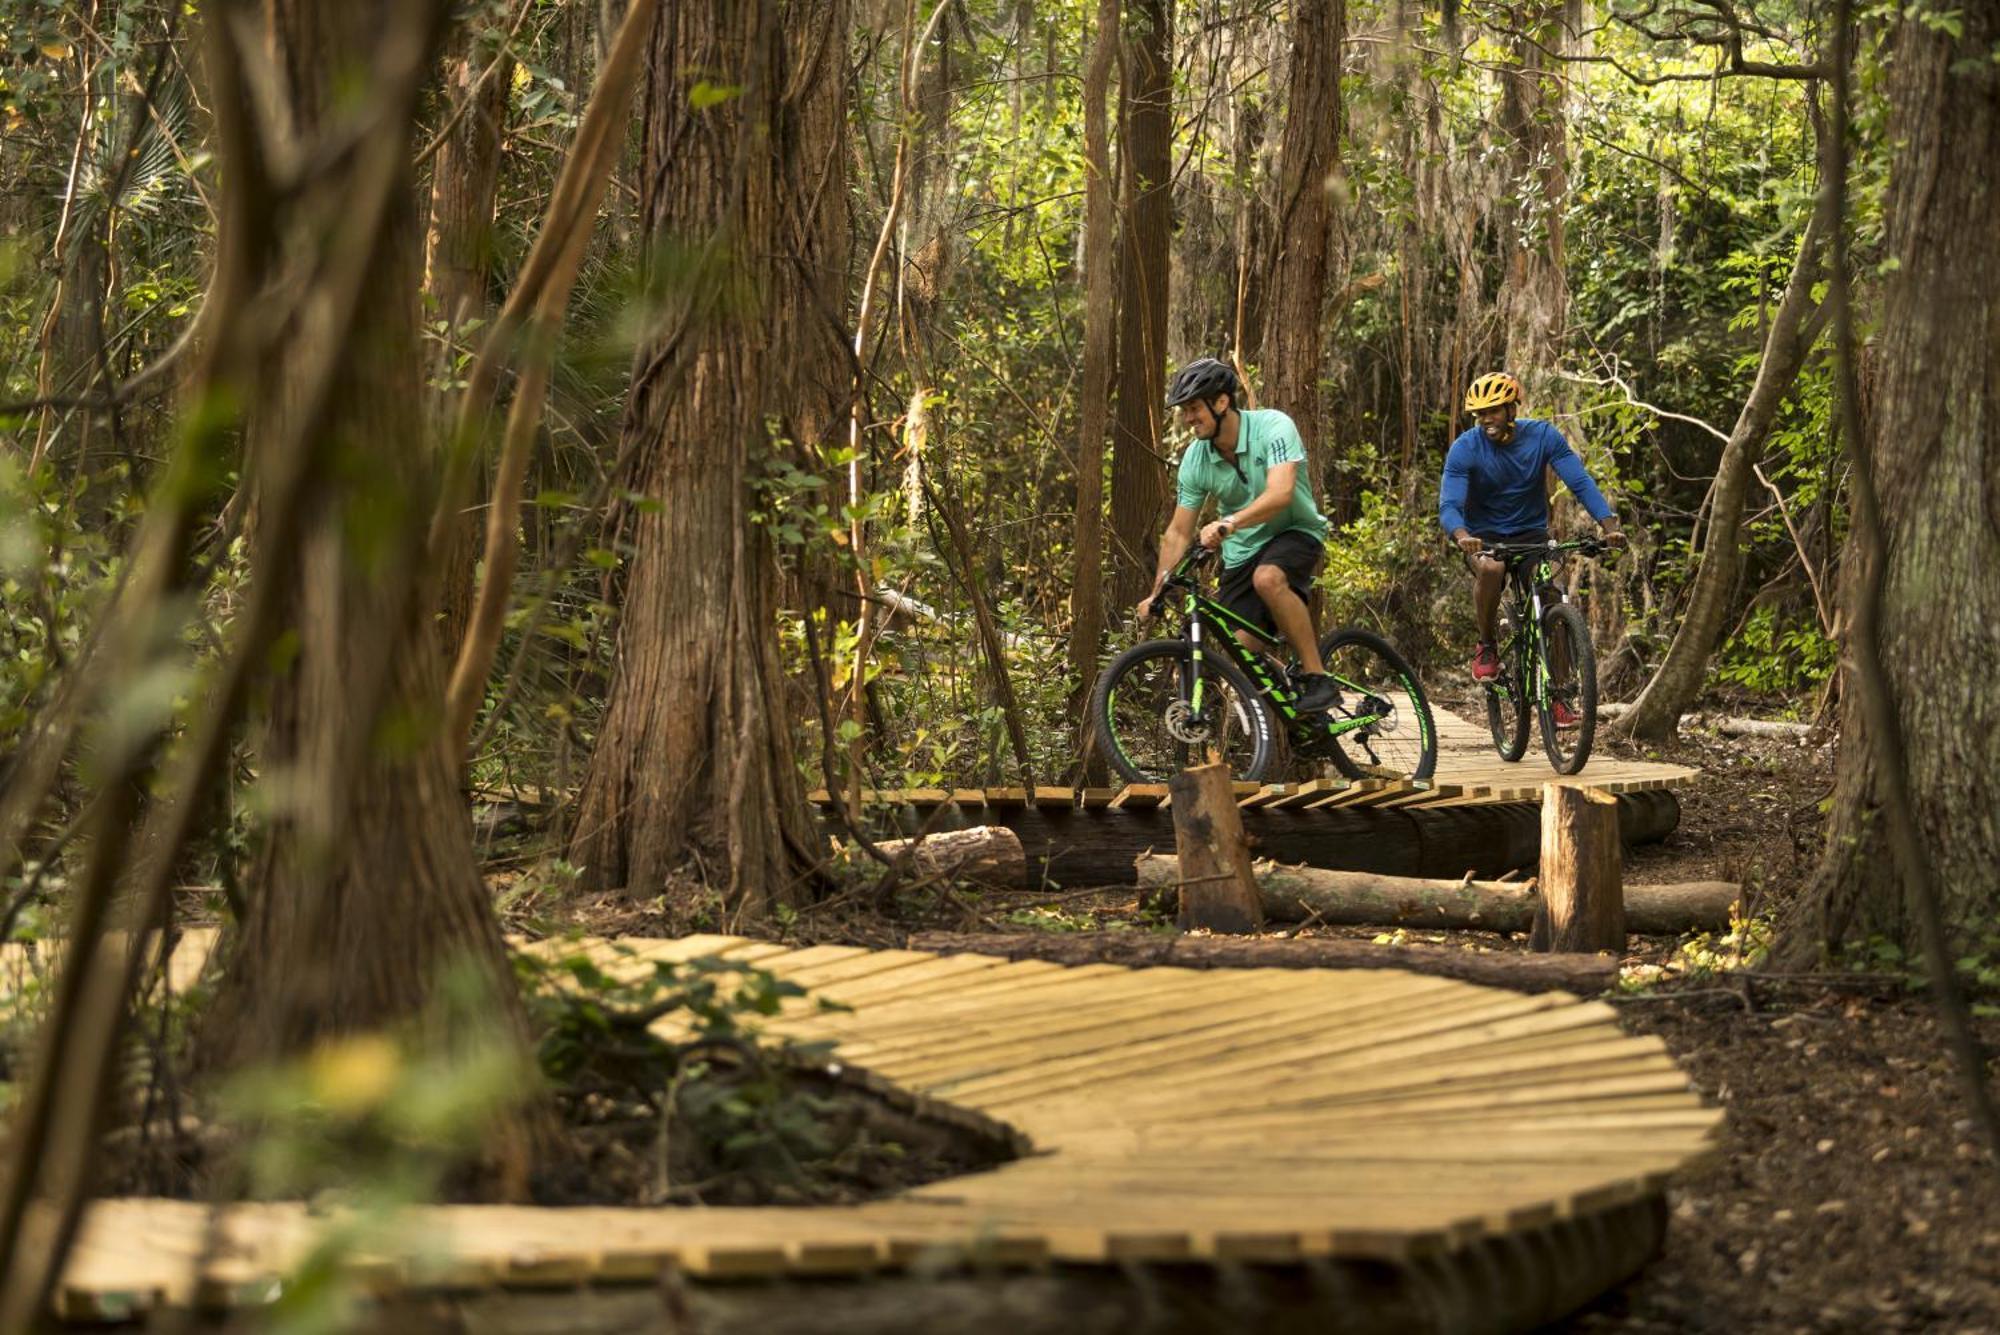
(1265, 439)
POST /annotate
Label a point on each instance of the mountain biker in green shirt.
(1251, 463)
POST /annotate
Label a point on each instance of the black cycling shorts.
(1294, 552)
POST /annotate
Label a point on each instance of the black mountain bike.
(1166, 704)
(1547, 663)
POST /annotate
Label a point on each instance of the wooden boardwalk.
(1259, 1115)
(1468, 773)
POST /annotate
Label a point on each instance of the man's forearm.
(1268, 505)
(1173, 546)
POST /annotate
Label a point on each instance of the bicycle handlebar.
(1505, 551)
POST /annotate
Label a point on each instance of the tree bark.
(693, 763)
(1308, 158)
(1584, 974)
(458, 270)
(1936, 469)
(1370, 899)
(1534, 296)
(1087, 597)
(1218, 890)
(1673, 687)
(1581, 881)
(368, 894)
(1146, 129)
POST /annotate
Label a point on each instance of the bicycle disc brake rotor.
(1386, 718)
(1184, 725)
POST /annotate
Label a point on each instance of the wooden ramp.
(1469, 772)
(1214, 1117)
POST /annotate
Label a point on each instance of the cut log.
(1364, 899)
(989, 853)
(1217, 892)
(1522, 972)
(1583, 904)
(1096, 846)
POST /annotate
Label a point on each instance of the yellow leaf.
(351, 1076)
(56, 50)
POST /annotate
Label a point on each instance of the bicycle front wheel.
(1382, 726)
(1507, 708)
(1154, 715)
(1567, 710)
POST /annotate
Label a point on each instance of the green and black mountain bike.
(1547, 663)
(1166, 704)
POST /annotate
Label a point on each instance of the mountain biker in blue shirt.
(1251, 462)
(1493, 492)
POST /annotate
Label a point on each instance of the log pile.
(1366, 899)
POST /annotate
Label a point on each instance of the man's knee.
(1270, 581)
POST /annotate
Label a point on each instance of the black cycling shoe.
(1317, 693)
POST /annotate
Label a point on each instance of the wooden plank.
(1346, 795)
(1307, 794)
(1138, 796)
(1186, 1117)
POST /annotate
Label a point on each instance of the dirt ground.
(1848, 1192)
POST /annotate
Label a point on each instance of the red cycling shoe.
(1486, 663)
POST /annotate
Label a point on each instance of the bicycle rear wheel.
(1570, 662)
(1382, 727)
(1151, 728)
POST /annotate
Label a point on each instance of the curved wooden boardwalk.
(1266, 1116)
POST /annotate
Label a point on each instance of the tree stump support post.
(1583, 899)
(1218, 888)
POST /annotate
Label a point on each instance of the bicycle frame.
(1199, 611)
(1525, 647)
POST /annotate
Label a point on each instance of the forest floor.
(1848, 1192)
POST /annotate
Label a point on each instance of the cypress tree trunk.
(1087, 598)
(1308, 156)
(693, 765)
(367, 891)
(1937, 468)
(1534, 298)
(1138, 470)
(458, 267)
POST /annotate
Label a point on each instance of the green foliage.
(598, 1038)
(1770, 657)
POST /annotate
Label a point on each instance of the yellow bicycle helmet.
(1491, 391)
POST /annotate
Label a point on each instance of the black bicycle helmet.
(1204, 379)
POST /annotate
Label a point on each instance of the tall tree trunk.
(1936, 467)
(1534, 298)
(367, 890)
(1146, 131)
(928, 259)
(693, 764)
(1087, 599)
(1308, 157)
(458, 269)
(1673, 687)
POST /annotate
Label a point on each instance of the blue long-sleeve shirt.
(1492, 488)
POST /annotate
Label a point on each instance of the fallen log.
(1365, 899)
(1075, 848)
(990, 853)
(1524, 973)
